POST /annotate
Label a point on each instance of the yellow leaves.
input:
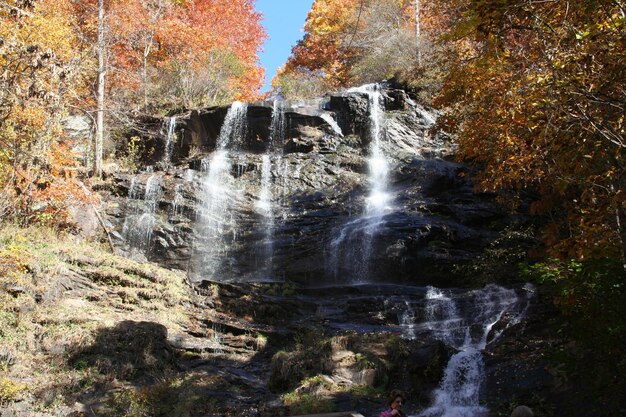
(32, 116)
(47, 28)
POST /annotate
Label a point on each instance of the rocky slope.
(317, 178)
(255, 275)
(88, 333)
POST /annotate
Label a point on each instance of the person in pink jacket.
(395, 400)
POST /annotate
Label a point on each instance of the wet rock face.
(295, 207)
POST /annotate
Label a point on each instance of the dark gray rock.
(318, 184)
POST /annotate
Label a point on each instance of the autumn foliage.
(160, 50)
(39, 71)
(539, 104)
(352, 42)
(160, 54)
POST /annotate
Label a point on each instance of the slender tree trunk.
(146, 53)
(417, 32)
(101, 50)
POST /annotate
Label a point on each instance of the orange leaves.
(325, 46)
(149, 37)
(540, 107)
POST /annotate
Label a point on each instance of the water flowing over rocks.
(314, 177)
(326, 240)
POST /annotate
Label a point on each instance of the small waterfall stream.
(169, 141)
(377, 203)
(379, 198)
(265, 203)
(265, 208)
(138, 227)
(216, 223)
(465, 325)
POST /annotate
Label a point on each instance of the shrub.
(10, 390)
(300, 84)
(590, 294)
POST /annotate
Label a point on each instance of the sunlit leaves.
(47, 54)
(541, 105)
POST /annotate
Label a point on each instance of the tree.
(540, 103)
(417, 31)
(348, 42)
(39, 74)
(101, 52)
(325, 48)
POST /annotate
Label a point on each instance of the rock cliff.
(293, 195)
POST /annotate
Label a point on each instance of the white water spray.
(332, 123)
(458, 393)
(353, 245)
(179, 199)
(218, 195)
(138, 227)
(169, 141)
(379, 198)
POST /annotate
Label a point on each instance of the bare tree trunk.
(417, 32)
(101, 50)
(146, 53)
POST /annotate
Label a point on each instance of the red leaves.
(160, 32)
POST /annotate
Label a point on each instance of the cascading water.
(379, 199)
(178, 200)
(378, 202)
(137, 228)
(407, 322)
(278, 124)
(331, 122)
(265, 208)
(216, 223)
(464, 325)
(265, 205)
(169, 141)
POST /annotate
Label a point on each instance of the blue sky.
(283, 21)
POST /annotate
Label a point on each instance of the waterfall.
(378, 199)
(234, 127)
(216, 223)
(138, 227)
(331, 122)
(264, 205)
(190, 174)
(265, 208)
(442, 318)
(407, 322)
(178, 200)
(169, 141)
(278, 125)
(352, 247)
(464, 325)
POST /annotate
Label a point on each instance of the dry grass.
(57, 297)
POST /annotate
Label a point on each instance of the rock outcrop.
(313, 229)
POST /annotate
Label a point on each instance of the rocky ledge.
(313, 223)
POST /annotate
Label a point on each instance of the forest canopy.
(156, 55)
